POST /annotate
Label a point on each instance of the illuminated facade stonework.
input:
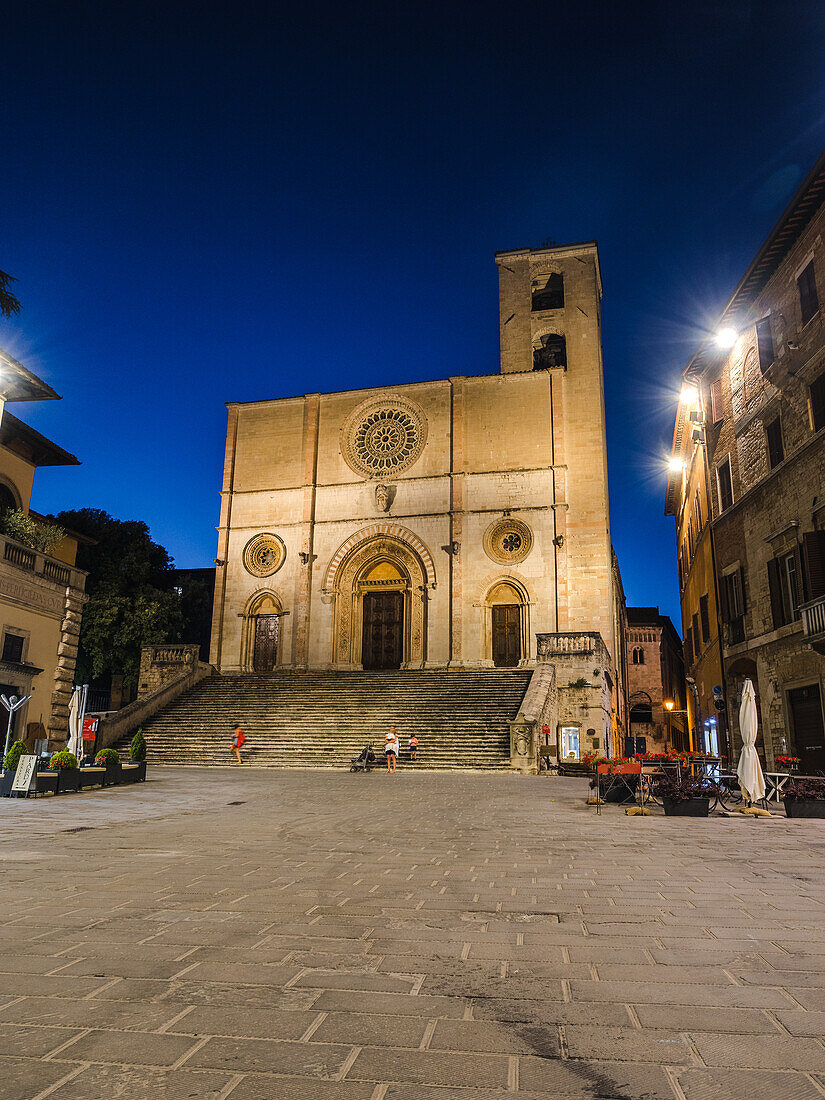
(433, 524)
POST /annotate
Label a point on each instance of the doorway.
(383, 630)
(805, 705)
(266, 642)
(506, 635)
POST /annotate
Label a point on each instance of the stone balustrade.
(41, 565)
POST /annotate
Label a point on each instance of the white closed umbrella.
(751, 779)
(74, 723)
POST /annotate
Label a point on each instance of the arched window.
(7, 499)
(548, 292)
(552, 353)
(638, 656)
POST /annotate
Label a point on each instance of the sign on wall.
(90, 729)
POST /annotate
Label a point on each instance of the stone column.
(66, 660)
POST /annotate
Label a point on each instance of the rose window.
(264, 555)
(508, 541)
(383, 436)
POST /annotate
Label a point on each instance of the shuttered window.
(818, 402)
(705, 617)
(723, 478)
(688, 645)
(695, 622)
(773, 438)
(808, 301)
(784, 582)
(716, 401)
(813, 553)
(732, 596)
(764, 340)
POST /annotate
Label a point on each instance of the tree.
(9, 304)
(132, 602)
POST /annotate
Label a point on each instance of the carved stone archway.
(350, 575)
(507, 590)
(263, 602)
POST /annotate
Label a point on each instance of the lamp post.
(12, 704)
(668, 705)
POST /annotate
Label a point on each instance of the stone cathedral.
(447, 524)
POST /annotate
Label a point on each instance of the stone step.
(324, 718)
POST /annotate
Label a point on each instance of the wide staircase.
(323, 719)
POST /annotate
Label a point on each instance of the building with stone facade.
(655, 676)
(41, 594)
(458, 523)
(688, 501)
(757, 410)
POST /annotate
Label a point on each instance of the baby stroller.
(363, 761)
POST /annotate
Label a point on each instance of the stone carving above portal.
(383, 436)
(508, 541)
(264, 555)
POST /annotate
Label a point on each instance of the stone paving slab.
(438, 937)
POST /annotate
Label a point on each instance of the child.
(413, 747)
(238, 739)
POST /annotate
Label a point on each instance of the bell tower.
(549, 306)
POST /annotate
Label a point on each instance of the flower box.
(92, 776)
(134, 772)
(798, 807)
(631, 767)
(690, 807)
(68, 780)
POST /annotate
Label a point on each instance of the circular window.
(264, 555)
(383, 436)
(508, 541)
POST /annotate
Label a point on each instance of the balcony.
(22, 558)
(813, 623)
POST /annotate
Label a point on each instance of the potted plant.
(109, 759)
(686, 795)
(12, 759)
(805, 797)
(68, 774)
(787, 763)
(137, 755)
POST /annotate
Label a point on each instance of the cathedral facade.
(435, 524)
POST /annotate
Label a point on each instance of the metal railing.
(813, 618)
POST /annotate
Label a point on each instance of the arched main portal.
(507, 626)
(380, 589)
(261, 649)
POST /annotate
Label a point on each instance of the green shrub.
(580, 683)
(63, 759)
(21, 527)
(107, 756)
(16, 750)
(137, 749)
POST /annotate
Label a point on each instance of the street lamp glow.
(726, 337)
(676, 465)
(668, 704)
(689, 395)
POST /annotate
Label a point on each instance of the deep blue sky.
(208, 202)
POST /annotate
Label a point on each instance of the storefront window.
(569, 736)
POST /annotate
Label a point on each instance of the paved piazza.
(326, 936)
